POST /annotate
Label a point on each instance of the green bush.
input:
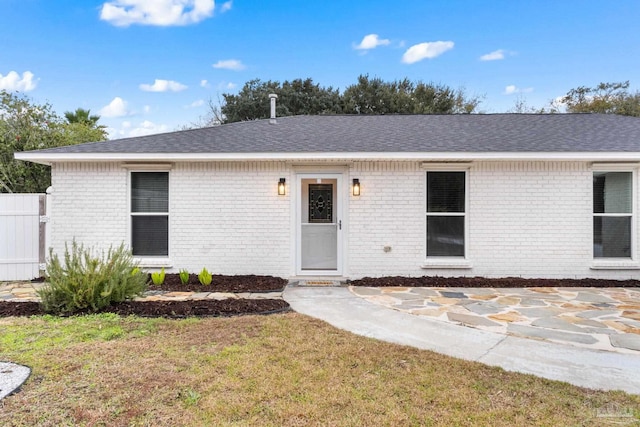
(158, 277)
(90, 282)
(204, 277)
(184, 277)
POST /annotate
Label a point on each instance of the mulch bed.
(221, 283)
(180, 309)
(168, 309)
(251, 283)
(483, 282)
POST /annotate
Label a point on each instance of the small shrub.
(204, 277)
(158, 277)
(184, 277)
(90, 282)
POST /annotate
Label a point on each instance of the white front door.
(319, 221)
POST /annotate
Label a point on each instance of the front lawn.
(285, 369)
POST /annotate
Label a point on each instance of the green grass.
(277, 370)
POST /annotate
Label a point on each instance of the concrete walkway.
(586, 367)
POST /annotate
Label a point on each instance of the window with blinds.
(150, 213)
(612, 214)
(446, 212)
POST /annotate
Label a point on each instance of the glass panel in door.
(319, 227)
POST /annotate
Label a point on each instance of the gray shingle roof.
(482, 133)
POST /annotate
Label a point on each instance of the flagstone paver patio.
(597, 318)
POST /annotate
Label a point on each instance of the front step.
(315, 283)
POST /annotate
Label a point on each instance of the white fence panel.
(21, 236)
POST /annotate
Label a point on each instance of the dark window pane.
(612, 237)
(445, 191)
(612, 192)
(150, 235)
(149, 192)
(320, 203)
(445, 236)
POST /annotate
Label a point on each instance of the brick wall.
(530, 219)
(223, 216)
(229, 218)
(89, 203)
(389, 212)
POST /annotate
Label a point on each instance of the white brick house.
(550, 196)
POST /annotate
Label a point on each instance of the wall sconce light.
(356, 187)
(281, 187)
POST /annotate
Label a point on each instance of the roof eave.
(50, 158)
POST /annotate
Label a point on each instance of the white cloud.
(196, 104)
(147, 128)
(227, 86)
(226, 6)
(123, 13)
(160, 85)
(116, 108)
(229, 64)
(371, 41)
(493, 56)
(128, 129)
(146, 109)
(12, 81)
(204, 83)
(429, 50)
(513, 89)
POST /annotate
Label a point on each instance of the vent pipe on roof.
(272, 98)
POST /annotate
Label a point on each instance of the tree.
(367, 96)
(606, 98)
(520, 106)
(213, 117)
(26, 126)
(375, 96)
(295, 97)
(87, 121)
(82, 116)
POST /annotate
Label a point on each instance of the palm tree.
(82, 116)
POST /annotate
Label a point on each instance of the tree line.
(376, 96)
(370, 95)
(25, 125)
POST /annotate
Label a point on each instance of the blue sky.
(149, 66)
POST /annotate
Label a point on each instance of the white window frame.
(602, 263)
(149, 260)
(454, 262)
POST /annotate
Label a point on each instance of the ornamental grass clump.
(158, 277)
(90, 282)
(184, 277)
(205, 277)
